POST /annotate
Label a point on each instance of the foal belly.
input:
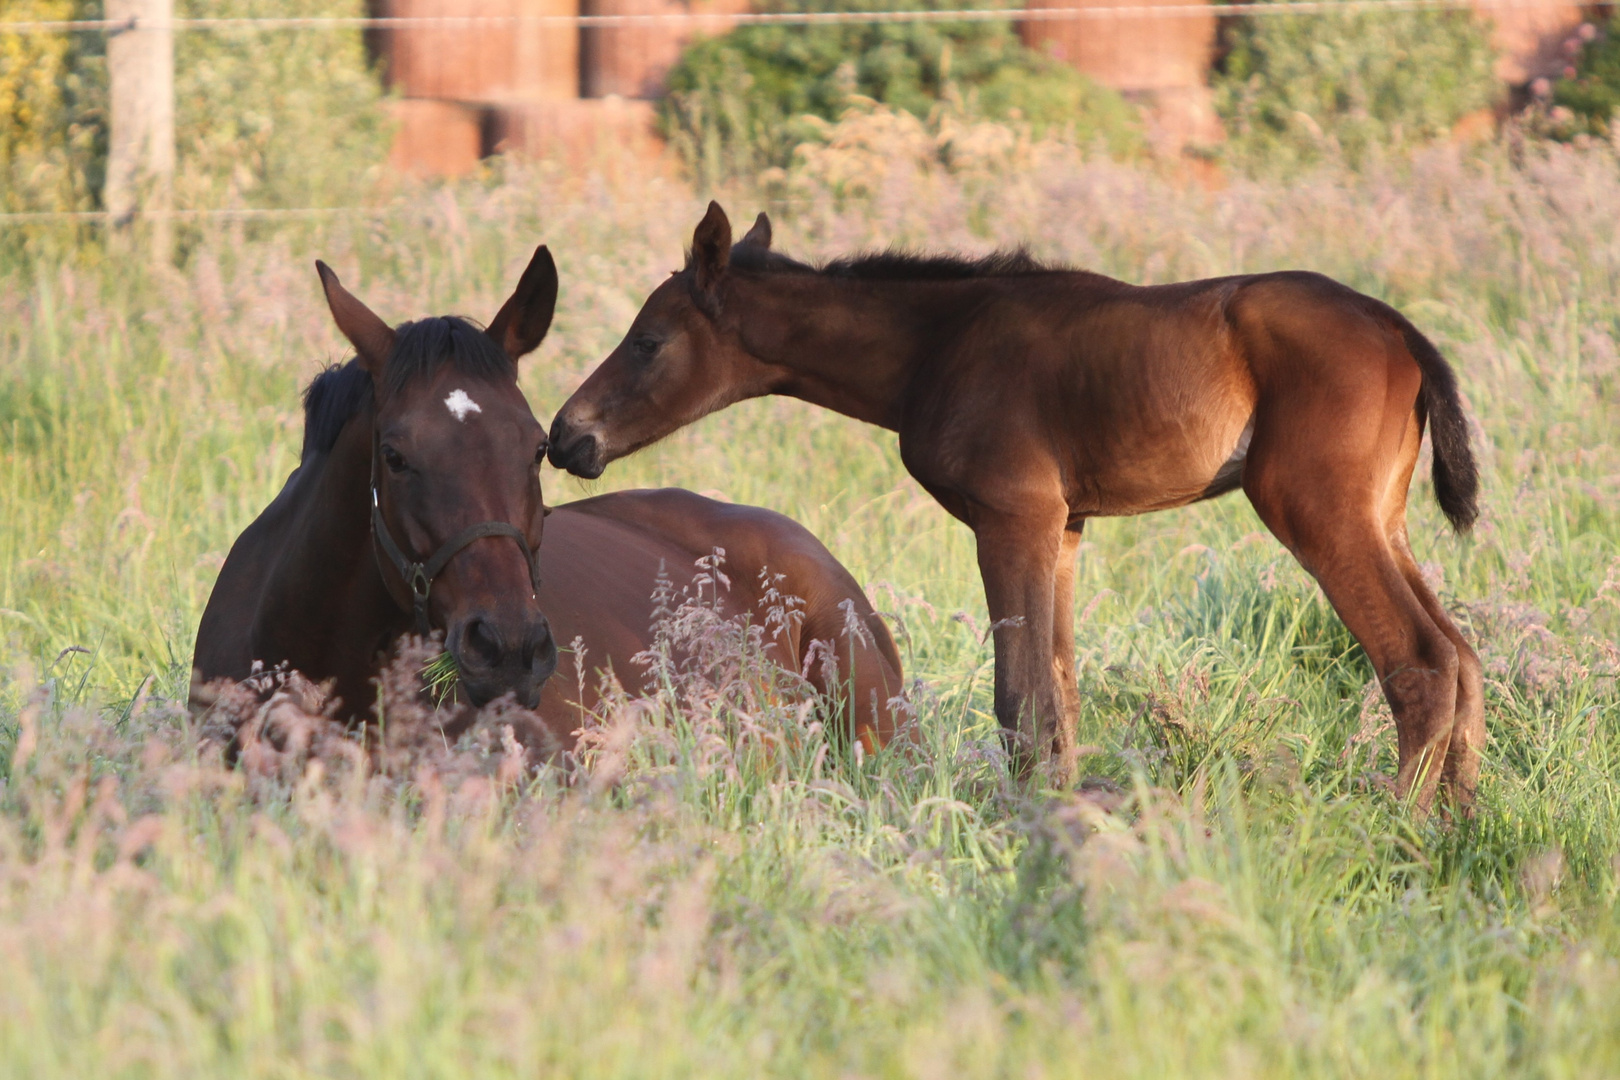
(1167, 470)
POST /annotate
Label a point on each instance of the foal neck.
(843, 345)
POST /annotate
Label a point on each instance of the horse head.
(456, 506)
(683, 358)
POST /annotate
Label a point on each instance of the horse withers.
(1029, 398)
(417, 507)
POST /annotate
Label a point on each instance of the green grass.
(1235, 894)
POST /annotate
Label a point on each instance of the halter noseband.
(419, 576)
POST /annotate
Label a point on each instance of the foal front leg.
(1018, 559)
(1063, 661)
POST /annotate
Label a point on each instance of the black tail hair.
(1456, 476)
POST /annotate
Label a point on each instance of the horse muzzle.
(494, 661)
(580, 452)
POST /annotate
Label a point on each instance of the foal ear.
(523, 320)
(372, 338)
(760, 234)
(711, 254)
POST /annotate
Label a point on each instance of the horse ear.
(372, 338)
(711, 254)
(523, 320)
(760, 234)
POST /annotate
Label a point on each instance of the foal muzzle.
(578, 452)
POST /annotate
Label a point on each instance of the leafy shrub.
(53, 131)
(736, 103)
(276, 118)
(1591, 96)
(875, 148)
(1296, 89)
(282, 118)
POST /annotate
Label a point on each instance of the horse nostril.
(480, 644)
(542, 652)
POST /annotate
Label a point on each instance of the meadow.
(717, 890)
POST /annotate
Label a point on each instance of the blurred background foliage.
(299, 118)
(1295, 90)
(285, 118)
(1590, 94)
(262, 118)
(740, 102)
(53, 123)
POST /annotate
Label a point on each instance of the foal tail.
(1456, 476)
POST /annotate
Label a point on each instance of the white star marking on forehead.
(460, 404)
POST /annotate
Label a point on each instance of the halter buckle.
(419, 582)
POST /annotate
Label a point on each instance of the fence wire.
(1284, 8)
(781, 18)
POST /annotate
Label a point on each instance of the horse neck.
(843, 346)
(328, 565)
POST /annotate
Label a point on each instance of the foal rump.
(1314, 325)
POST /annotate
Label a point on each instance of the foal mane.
(897, 265)
(342, 391)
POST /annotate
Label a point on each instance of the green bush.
(53, 130)
(1296, 89)
(282, 118)
(265, 119)
(735, 102)
(1592, 95)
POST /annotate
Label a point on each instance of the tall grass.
(724, 892)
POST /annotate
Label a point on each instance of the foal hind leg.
(1335, 535)
(1460, 774)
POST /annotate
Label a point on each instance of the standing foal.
(1029, 398)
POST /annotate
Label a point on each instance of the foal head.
(682, 359)
(455, 450)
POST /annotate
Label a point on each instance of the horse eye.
(393, 460)
(540, 455)
(646, 346)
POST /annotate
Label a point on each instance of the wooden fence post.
(140, 152)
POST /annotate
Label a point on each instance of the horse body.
(604, 556)
(445, 447)
(1029, 399)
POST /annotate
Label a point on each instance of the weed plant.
(722, 886)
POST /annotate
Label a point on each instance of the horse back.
(616, 545)
(1139, 398)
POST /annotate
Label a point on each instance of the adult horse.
(1028, 398)
(417, 506)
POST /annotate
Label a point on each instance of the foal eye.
(393, 460)
(646, 346)
(540, 455)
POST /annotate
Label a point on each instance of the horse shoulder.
(226, 634)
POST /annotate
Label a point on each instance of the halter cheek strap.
(419, 576)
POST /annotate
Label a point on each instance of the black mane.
(914, 266)
(895, 265)
(333, 396)
(341, 391)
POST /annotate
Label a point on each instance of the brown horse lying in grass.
(1029, 398)
(417, 507)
